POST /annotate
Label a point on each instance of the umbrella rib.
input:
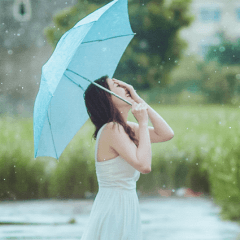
(98, 85)
(74, 82)
(52, 136)
(100, 40)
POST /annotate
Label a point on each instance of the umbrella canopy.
(88, 51)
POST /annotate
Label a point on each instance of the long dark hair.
(101, 109)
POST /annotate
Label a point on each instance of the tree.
(227, 52)
(155, 49)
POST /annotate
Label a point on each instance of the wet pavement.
(163, 218)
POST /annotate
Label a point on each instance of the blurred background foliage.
(155, 49)
(204, 156)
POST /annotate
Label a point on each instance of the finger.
(137, 108)
(121, 83)
(145, 105)
(134, 104)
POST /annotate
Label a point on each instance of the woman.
(122, 152)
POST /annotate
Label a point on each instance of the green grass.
(203, 155)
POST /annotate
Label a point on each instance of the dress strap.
(98, 136)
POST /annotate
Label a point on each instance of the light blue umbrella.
(88, 51)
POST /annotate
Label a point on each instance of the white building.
(211, 17)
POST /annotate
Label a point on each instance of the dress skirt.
(115, 215)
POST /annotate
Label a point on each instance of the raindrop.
(159, 102)
(171, 162)
(233, 55)
(4, 179)
(222, 49)
(3, 23)
(196, 163)
(66, 2)
(20, 70)
(40, 179)
(2, 83)
(80, 182)
(22, 87)
(215, 50)
(33, 56)
(219, 122)
(10, 52)
(159, 81)
(173, 190)
(229, 127)
(238, 76)
(187, 159)
(18, 34)
(188, 96)
(169, 58)
(104, 159)
(6, 31)
(187, 128)
(14, 165)
(143, 4)
(164, 185)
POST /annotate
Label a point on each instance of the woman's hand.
(139, 110)
(130, 89)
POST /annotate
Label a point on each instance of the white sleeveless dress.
(115, 214)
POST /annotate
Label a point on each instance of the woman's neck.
(124, 113)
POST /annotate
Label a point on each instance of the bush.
(203, 155)
(203, 82)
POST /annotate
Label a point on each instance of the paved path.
(163, 218)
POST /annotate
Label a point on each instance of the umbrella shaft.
(105, 89)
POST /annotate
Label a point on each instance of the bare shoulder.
(114, 130)
(113, 127)
(116, 134)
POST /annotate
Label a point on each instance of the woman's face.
(122, 92)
